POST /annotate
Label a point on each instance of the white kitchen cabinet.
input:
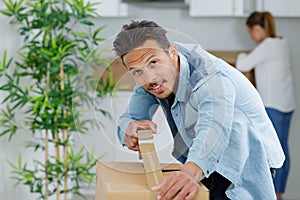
(279, 8)
(111, 8)
(211, 7)
(283, 8)
(223, 7)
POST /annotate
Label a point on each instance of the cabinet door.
(284, 8)
(211, 8)
(111, 8)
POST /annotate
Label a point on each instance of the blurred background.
(215, 25)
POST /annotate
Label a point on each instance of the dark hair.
(263, 19)
(136, 34)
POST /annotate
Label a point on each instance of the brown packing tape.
(150, 159)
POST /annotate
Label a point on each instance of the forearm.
(123, 124)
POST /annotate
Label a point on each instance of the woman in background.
(273, 77)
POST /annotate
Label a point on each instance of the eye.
(153, 62)
(136, 72)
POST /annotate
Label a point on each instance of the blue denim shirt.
(218, 121)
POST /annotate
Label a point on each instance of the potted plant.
(42, 93)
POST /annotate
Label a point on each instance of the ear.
(257, 28)
(173, 52)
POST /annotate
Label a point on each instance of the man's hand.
(131, 138)
(181, 184)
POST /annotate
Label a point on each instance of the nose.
(150, 76)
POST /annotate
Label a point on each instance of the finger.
(189, 190)
(183, 186)
(193, 192)
(134, 126)
(167, 185)
(133, 147)
(178, 191)
(184, 192)
(134, 140)
(156, 188)
(191, 195)
(132, 129)
(136, 148)
(131, 143)
(171, 193)
(153, 127)
(144, 124)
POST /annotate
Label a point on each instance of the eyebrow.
(131, 68)
(150, 58)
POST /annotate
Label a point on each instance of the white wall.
(105, 141)
(213, 33)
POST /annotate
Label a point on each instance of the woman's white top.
(273, 76)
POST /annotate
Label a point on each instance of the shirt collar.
(184, 76)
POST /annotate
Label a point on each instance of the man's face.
(155, 69)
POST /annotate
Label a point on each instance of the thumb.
(155, 188)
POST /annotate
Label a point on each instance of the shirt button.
(217, 161)
(207, 172)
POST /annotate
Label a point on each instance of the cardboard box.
(127, 181)
(230, 57)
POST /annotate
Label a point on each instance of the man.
(221, 130)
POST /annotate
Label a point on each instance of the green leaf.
(47, 52)
(4, 65)
(7, 13)
(20, 161)
(18, 5)
(53, 41)
(82, 34)
(99, 39)
(9, 4)
(97, 31)
(86, 22)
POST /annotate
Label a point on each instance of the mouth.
(155, 87)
